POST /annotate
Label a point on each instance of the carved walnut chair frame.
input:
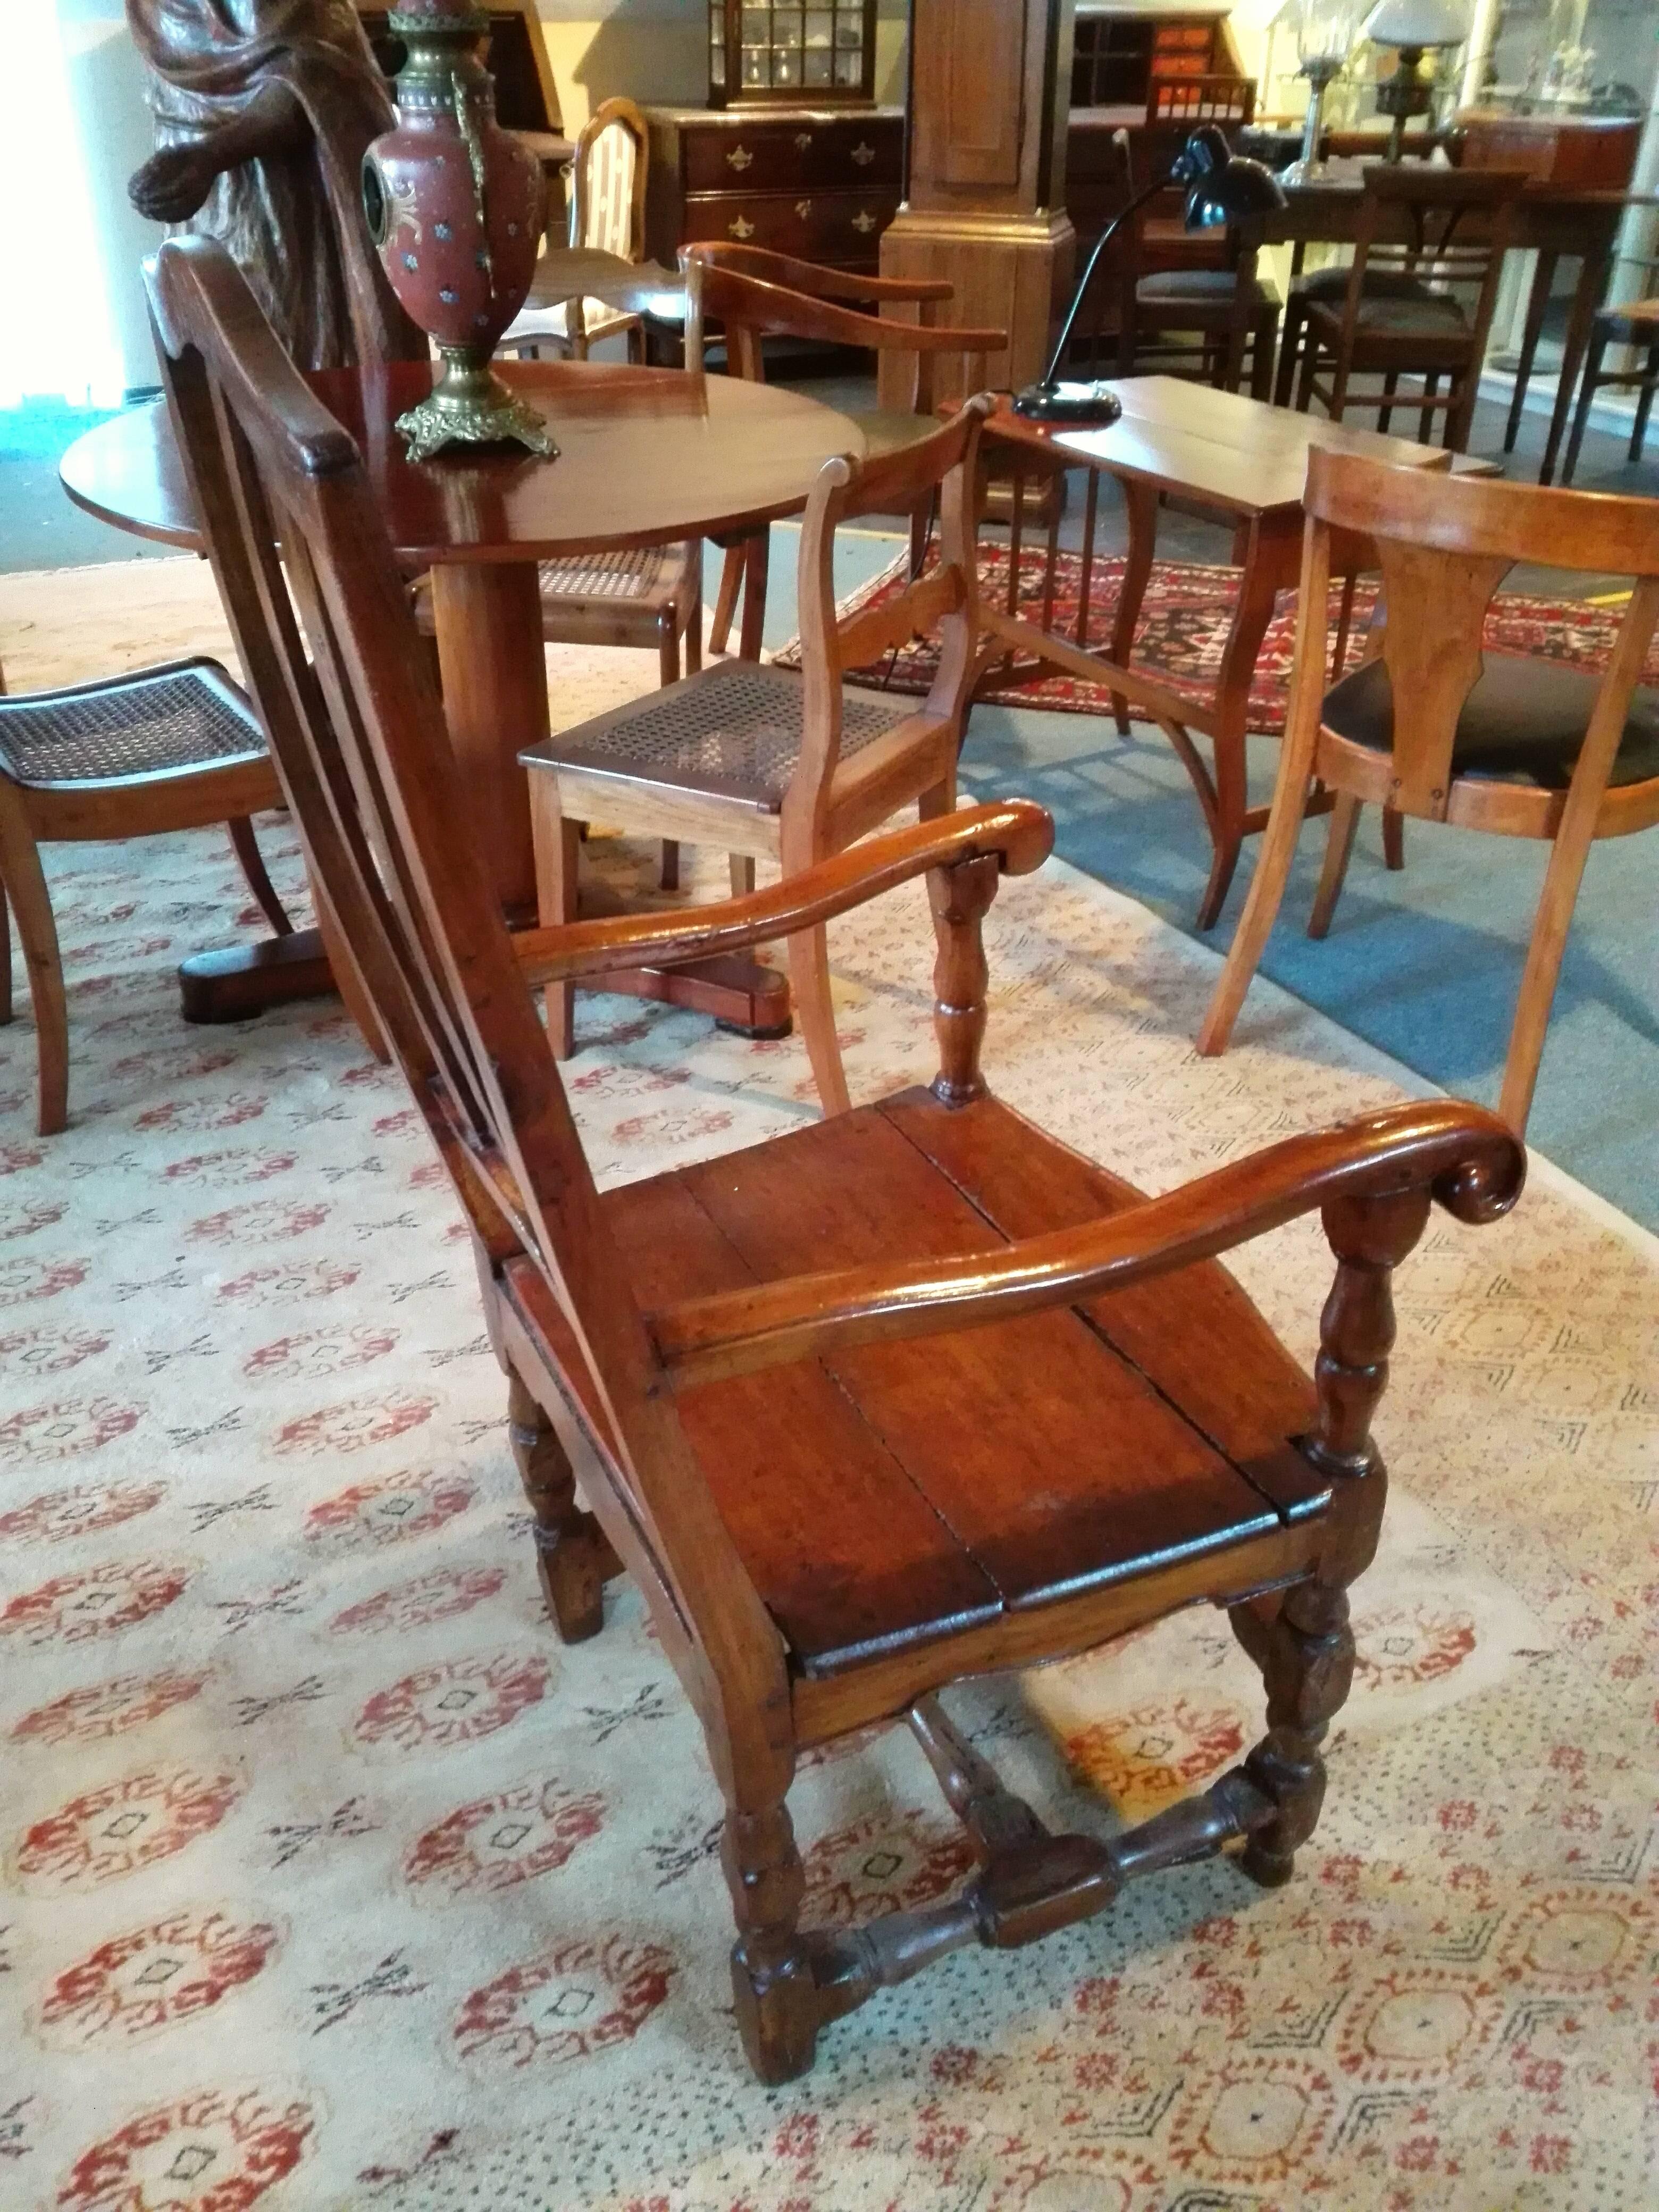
(605, 1382)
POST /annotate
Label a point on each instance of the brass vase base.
(470, 405)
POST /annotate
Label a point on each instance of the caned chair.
(753, 302)
(904, 1396)
(760, 761)
(172, 747)
(1425, 235)
(1429, 726)
(610, 169)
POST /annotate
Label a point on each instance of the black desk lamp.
(1222, 186)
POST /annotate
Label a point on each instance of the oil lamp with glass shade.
(1413, 26)
(1324, 39)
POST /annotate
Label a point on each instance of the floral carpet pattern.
(1182, 633)
(329, 1879)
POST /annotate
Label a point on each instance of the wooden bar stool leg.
(1598, 346)
(1645, 404)
(1543, 277)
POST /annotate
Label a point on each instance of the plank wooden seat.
(911, 1395)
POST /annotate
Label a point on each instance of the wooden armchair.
(1430, 726)
(758, 761)
(724, 284)
(907, 1395)
(1425, 236)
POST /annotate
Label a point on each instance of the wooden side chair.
(761, 761)
(172, 747)
(902, 1397)
(722, 285)
(610, 169)
(1632, 323)
(1425, 236)
(1432, 727)
(1164, 301)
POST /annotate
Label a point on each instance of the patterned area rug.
(328, 1879)
(1184, 621)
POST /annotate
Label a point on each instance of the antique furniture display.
(1222, 455)
(608, 170)
(1548, 217)
(1635, 323)
(766, 761)
(756, 295)
(985, 180)
(911, 1394)
(1394, 312)
(456, 207)
(515, 54)
(262, 115)
(646, 457)
(1433, 728)
(1227, 304)
(762, 51)
(172, 747)
(817, 183)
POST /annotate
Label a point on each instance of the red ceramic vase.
(456, 206)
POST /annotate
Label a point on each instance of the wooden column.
(990, 87)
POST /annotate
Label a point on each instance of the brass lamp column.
(985, 179)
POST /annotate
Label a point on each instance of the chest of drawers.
(821, 184)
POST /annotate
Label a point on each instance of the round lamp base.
(1093, 406)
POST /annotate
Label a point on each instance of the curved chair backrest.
(751, 309)
(1443, 544)
(610, 166)
(358, 730)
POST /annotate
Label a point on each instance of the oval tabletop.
(645, 455)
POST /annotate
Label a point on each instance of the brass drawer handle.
(864, 221)
(864, 155)
(739, 158)
(803, 140)
(738, 228)
(803, 209)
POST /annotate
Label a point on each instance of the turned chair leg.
(25, 881)
(815, 1009)
(574, 1560)
(777, 2004)
(1306, 1654)
(1339, 844)
(251, 863)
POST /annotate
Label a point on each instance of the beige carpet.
(327, 1879)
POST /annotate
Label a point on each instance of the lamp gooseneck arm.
(1160, 184)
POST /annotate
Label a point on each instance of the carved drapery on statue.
(267, 105)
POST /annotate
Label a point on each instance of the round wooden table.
(647, 456)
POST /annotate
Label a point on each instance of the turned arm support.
(1464, 1156)
(1016, 835)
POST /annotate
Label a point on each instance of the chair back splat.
(909, 1393)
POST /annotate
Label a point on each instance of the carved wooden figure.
(263, 110)
(907, 1395)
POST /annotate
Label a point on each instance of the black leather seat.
(1524, 722)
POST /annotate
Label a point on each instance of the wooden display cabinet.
(762, 52)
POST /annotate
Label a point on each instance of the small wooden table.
(1225, 456)
(647, 456)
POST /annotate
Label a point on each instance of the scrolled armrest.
(1469, 1160)
(1017, 832)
